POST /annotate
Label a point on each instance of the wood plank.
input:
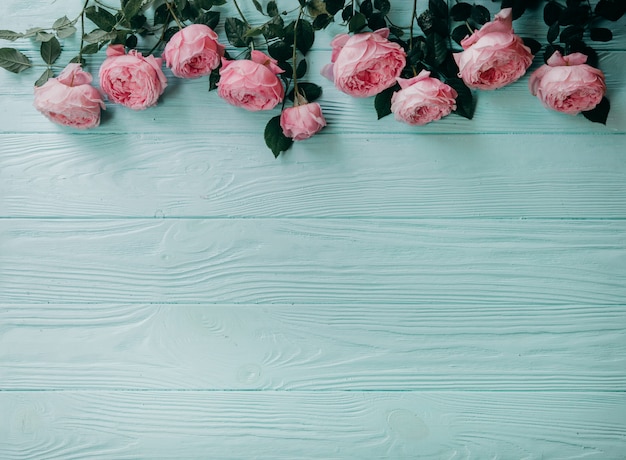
(312, 347)
(188, 108)
(310, 261)
(430, 176)
(312, 425)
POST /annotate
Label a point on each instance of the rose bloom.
(69, 99)
(193, 52)
(422, 99)
(493, 56)
(566, 84)
(131, 79)
(251, 84)
(364, 64)
(302, 121)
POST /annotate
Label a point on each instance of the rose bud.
(302, 120)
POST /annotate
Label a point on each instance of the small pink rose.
(132, 80)
(69, 99)
(422, 99)
(493, 56)
(302, 121)
(193, 52)
(364, 64)
(566, 84)
(251, 84)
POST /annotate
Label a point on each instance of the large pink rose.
(251, 84)
(493, 56)
(131, 79)
(422, 99)
(302, 121)
(69, 99)
(566, 84)
(364, 64)
(193, 51)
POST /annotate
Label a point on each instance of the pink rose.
(493, 56)
(193, 52)
(566, 84)
(251, 84)
(131, 79)
(422, 99)
(302, 121)
(69, 99)
(364, 64)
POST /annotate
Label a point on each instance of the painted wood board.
(378, 347)
(307, 261)
(461, 176)
(311, 425)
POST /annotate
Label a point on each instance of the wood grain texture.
(312, 425)
(301, 261)
(428, 176)
(313, 347)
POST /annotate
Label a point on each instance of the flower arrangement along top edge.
(419, 71)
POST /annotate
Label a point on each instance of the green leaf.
(438, 46)
(99, 35)
(438, 8)
(367, 8)
(461, 11)
(209, 18)
(10, 35)
(384, 6)
(45, 76)
(50, 51)
(301, 68)
(571, 33)
(464, 100)
(66, 32)
(13, 61)
(382, 101)
(321, 21)
(459, 33)
(131, 8)
(310, 91)
(180, 4)
(258, 6)
(600, 34)
(61, 23)
(333, 6)
(357, 22)
(305, 36)
(280, 50)
(93, 48)
(600, 113)
(553, 32)
(214, 78)
(236, 31)
(274, 137)
(101, 18)
(272, 9)
(376, 21)
(33, 31)
(44, 36)
(533, 44)
(551, 12)
(480, 14)
(611, 10)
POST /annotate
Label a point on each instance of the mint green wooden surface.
(169, 290)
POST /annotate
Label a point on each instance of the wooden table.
(170, 290)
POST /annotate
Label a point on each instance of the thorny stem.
(82, 32)
(296, 92)
(171, 10)
(413, 17)
(243, 18)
